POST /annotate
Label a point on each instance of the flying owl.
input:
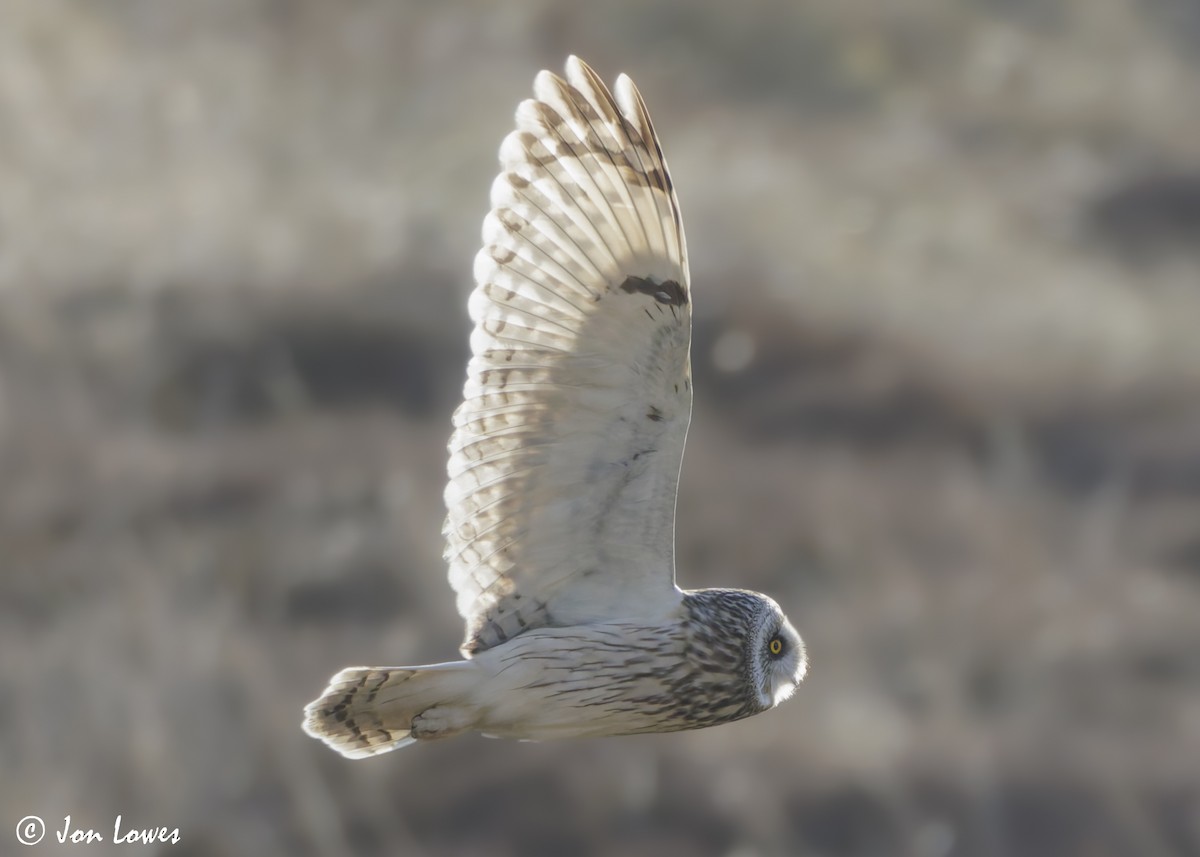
(564, 467)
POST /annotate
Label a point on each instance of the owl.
(564, 466)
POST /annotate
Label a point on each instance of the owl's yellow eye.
(775, 647)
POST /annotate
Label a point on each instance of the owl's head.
(743, 636)
(776, 655)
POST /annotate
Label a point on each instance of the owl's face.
(776, 657)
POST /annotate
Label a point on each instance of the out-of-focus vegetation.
(946, 262)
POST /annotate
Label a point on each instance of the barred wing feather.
(564, 462)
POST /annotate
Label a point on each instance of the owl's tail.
(370, 710)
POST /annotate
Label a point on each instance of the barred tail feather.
(366, 711)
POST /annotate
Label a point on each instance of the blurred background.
(946, 264)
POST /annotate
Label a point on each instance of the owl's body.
(694, 669)
(564, 466)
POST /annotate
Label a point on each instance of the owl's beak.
(782, 691)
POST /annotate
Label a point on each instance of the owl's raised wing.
(564, 462)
